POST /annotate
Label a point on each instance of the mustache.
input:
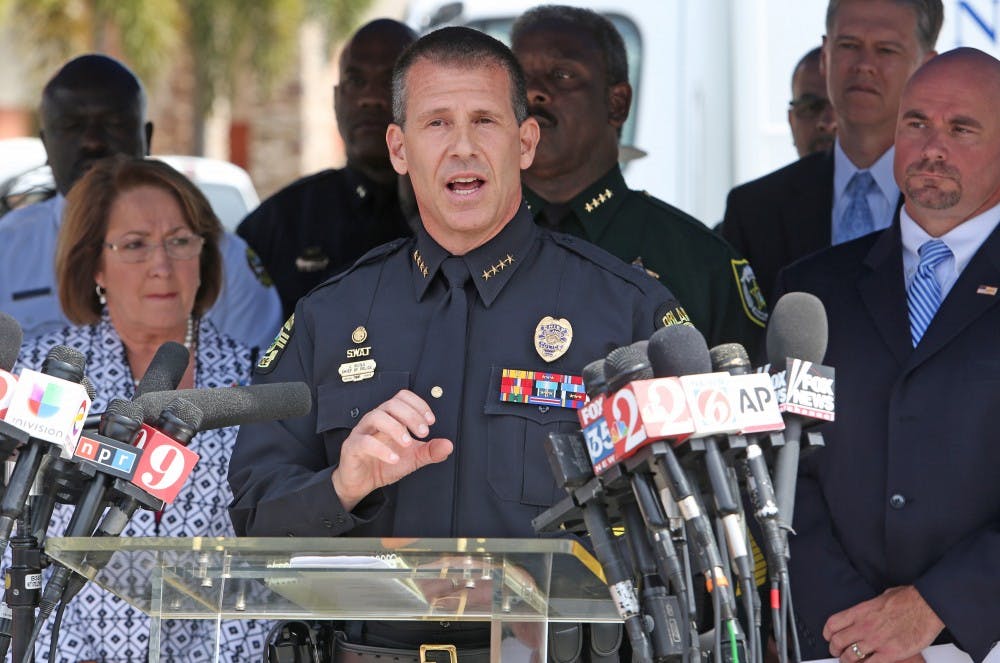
(932, 167)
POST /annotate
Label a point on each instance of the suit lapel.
(806, 215)
(964, 304)
(884, 294)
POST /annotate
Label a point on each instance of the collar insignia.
(597, 200)
(497, 268)
(553, 337)
(420, 262)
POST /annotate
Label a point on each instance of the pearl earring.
(100, 295)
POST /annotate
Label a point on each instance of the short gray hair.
(460, 47)
(929, 13)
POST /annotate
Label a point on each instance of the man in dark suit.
(898, 518)
(870, 49)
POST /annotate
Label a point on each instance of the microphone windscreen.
(11, 336)
(165, 370)
(124, 408)
(186, 411)
(234, 406)
(593, 378)
(678, 350)
(731, 358)
(622, 365)
(797, 328)
(89, 386)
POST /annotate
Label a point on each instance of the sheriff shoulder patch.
(750, 295)
(257, 267)
(277, 347)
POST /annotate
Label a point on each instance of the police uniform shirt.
(719, 291)
(247, 309)
(498, 477)
(318, 226)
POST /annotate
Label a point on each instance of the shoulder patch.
(270, 358)
(669, 314)
(750, 295)
(258, 269)
(609, 263)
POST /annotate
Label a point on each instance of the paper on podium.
(942, 654)
(335, 582)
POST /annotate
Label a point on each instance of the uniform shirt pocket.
(516, 433)
(340, 405)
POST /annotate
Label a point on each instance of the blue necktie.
(924, 294)
(857, 219)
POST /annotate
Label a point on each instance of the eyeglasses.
(137, 249)
(809, 106)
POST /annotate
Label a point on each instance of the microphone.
(760, 406)
(796, 343)
(10, 345)
(51, 407)
(234, 406)
(574, 474)
(108, 455)
(165, 370)
(177, 422)
(166, 461)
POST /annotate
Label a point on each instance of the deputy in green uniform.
(577, 75)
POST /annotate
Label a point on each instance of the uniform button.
(543, 408)
(437, 391)
(355, 412)
(897, 501)
(327, 524)
(340, 519)
(289, 534)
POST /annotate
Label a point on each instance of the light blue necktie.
(857, 219)
(924, 294)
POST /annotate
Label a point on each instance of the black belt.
(349, 652)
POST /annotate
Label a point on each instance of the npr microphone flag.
(805, 388)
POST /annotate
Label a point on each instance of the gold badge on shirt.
(363, 366)
(553, 337)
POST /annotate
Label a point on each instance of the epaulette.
(595, 254)
(378, 253)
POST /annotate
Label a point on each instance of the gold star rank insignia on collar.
(597, 200)
(420, 262)
(553, 337)
(498, 267)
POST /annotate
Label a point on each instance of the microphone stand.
(24, 580)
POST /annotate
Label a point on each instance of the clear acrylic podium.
(517, 585)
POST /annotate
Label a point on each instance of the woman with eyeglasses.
(137, 263)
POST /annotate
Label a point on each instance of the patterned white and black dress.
(97, 625)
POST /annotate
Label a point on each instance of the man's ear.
(529, 133)
(148, 130)
(397, 149)
(619, 103)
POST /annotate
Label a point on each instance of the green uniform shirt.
(717, 289)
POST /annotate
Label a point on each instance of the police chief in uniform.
(320, 224)
(576, 70)
(411, 354)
